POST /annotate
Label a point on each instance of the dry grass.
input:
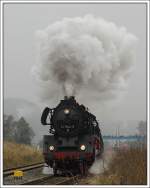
(131, 166)
(128, 167)
(19, 154)
(102, 179)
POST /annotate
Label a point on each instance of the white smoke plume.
(84, 55)
(101, 164)
(47, 170)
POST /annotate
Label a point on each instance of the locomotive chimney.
(69, 98)
(65, 97)
(72, 97)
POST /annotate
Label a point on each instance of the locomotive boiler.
(75, 138)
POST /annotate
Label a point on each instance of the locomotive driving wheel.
(55, 169)
(83, 168)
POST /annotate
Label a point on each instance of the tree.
(142, 128)
(23, 133)
(9, 127)
(17, 131)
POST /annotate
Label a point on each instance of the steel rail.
(67, 181)
(8, 172)
(36, 181)
(7, 169)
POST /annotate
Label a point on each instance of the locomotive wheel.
(93, 154)
(83, 168)
(55, 171)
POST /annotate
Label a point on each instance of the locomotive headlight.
(66, 111)
(82, 147)
(51, 148)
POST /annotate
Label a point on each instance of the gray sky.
(22, 20)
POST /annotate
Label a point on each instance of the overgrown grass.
(19, 154)
(128, 167)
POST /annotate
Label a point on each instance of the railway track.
(52, 180)
(10, 171)
(38, 179)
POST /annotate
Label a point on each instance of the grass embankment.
(19, 154)
(128, 167)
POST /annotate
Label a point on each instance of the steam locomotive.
(75, 140)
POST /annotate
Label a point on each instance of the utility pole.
(117, 137)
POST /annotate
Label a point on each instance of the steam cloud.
(84, 55)
(101, 164)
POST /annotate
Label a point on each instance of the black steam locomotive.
(75, 139)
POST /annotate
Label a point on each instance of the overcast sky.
(22, 20)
